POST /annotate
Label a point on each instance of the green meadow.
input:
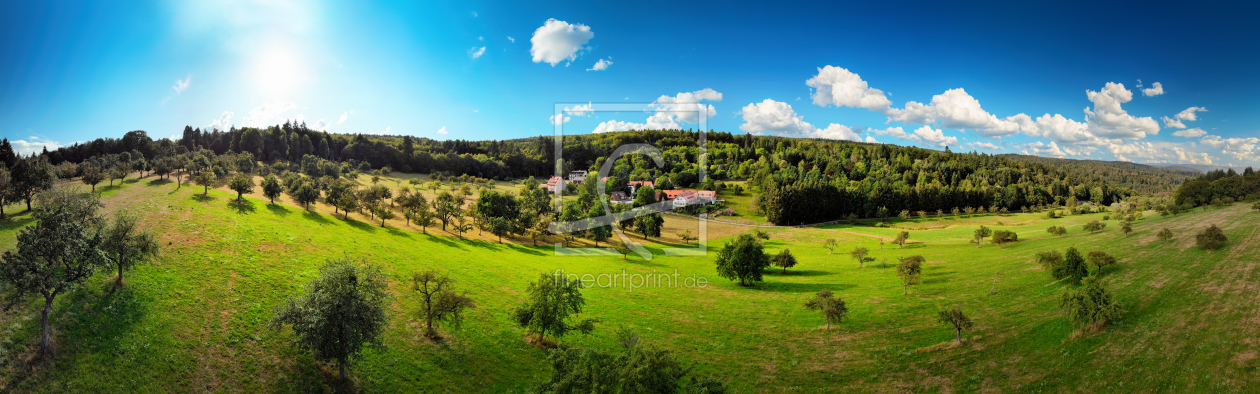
(195, 318)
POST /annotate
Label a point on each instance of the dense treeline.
(800, 180)
(1219, 187)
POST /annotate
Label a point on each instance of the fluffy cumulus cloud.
(33, 144)
(602, 64)
(1188, 115)
(1155, 90)
(843, 88)
(955, 109)
(557, 41)
(559, 119)
(1190, 133)
(321, 125)
(1173, 122)
(687, 106)
(1242, 149)
(579, 110)
(343, 117)
(267, 114)
(1043, 149)
(442, 130)
(933, 136)
(771, 116)
(223, 123)
(1108, 120)
(476, 52)
(985, 145)
(837, 132)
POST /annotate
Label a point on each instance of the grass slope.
(195, 319)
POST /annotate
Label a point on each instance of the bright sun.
(278, 73)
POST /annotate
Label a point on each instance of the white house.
(577, 176)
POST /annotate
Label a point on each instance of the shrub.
(1211, 238)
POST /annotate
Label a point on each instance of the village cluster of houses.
(680, 198)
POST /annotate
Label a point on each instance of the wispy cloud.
(600, 65)
(180, 85)
(476, 52)
(442, 130)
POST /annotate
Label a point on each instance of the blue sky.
(1051, 79)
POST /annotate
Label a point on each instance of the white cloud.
(1190, 133)
(955, 109)
(1055, 127)
(1043, 149)
(686, 106)
(511, 39)
(1155, 89)
(600, 65)
(474, 14)
(871, 140)
(579, 110)
(181, 85)
(773, 116)
(344, 115)
(441, 130)
(1108, 120)
(654, 123)
(223, 123)
(557, 41)
(33, 144)
(266, 114)
(321, 125)
(1189, 114)
(1170, 122)
(935, 136)
(559, 119)
(842, 88)
(985, 145)
(836, 132)
(480, 38)
(476, 52)
(1242, 149)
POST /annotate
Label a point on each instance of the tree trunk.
(120, 278)
(341, 365)
(958, 334)
(28, 201)
(905, 289)
(45, 334)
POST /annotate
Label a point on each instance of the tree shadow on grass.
(937, 276)
(278, 210)
(776, 271)
(200, 197)
(526, 249)
(312, 216)
(13, 222)
(304, 374)
(441, 240)
(242, 206)
(360, 225)
(397, 232)
(158, 182)
(803, 287)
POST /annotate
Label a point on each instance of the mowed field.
(195, 319)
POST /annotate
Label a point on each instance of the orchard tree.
(742, 259)
(1100, 259)
(956, 318)
(7, 193)
(784, 260)
(382, 212)
(1053, 262)
(439, 303)
(833, 308)
(621, 248)
(342, 310)
(447, 207)
(306, 195)
(1057, 230)
(92, 175)
(1095, 226)
(831, 245)
(901, 239)
(1090, 306)
(1256, 206)
(1165, 235)
(56, 254)
(1126, 228)
(649, 225)
(910, 269)
(1211, 238)
(548, 306)
(686, 236)
(1074, 266)
(1001, 237)
(241, 184)
(540, 229)
(31, 176)
(271, 188)
(205, 179)
(980, 234)
(126, 244)
(859, 254)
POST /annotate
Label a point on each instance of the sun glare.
(278, 73)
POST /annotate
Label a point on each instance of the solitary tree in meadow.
(784, 260)
(901, 239)
(205, 179)
(1100, 259)
(1001, 237)
(439, 303)
(742, 259)
(956, 318)
(1091, 305)
(342, 310)
(859, 254)
(833, 308)
(1126, 228)
(1095, 226)
(126, 244)
(56, 254)
(1256, 206)
(272, 188)
(241, 184)
(1057, 230)
(910, 269)
(549, 304)
(686, 236)
(1211, 238)
(1074, 266)
(831, 245)
(1165, 235)
(980, 234)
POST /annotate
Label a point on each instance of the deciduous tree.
(784, 260)
(1211, 238)
(833, 308)
(241, 184)
(439, 303)
(1074, 266)
(342, 310)
(1095, 226)
(910, 269)
(859, 254)
(901, 239)
(831, 245)
(742, 259)
(1165, 235)
(549, 304)
(271, 188)
(1091, 305)
(126, 244)
(980, 234)
(956, 318)
(1100, 259)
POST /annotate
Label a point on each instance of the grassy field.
(195, 319)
